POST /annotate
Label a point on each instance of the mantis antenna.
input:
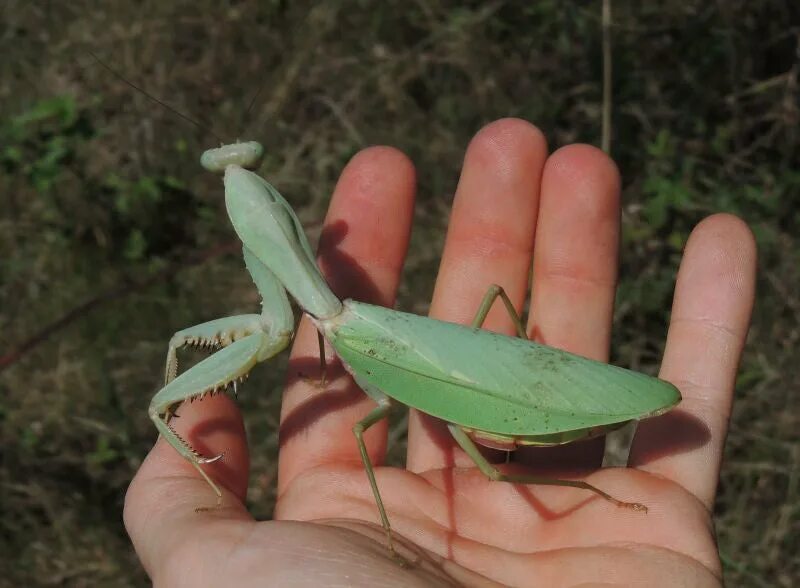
(200, 125)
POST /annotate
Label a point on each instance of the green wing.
(487, 381)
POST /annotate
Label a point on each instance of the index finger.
(361, 254)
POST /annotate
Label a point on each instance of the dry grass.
(100, 188)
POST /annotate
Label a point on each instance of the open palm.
(514, 207)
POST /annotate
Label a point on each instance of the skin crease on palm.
(515, 205)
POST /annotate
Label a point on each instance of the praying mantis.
(492, 390)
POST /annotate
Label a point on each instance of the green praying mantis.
(492, 390)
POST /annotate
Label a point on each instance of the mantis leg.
(244, 341)
(219, 372)
(276, 318)
(379, 413)
(496, 475)
(323, 365)
(210, 335)
(486, 304)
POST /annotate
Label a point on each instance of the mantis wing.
(490, 382)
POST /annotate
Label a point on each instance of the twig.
(606, 137)
(127, 286)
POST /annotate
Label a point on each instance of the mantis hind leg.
(486, 304)
(378, 414)
(494, 474)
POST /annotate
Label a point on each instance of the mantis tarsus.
(491, 389)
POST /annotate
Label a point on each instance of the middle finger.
(489, 240)
(575, 272)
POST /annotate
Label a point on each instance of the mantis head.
(245, 154)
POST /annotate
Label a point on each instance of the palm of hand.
(469, 529)
(451, 523)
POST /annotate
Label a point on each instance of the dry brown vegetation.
(102, 196)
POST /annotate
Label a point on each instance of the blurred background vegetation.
(112, 237)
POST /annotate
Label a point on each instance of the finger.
(212, 426)
(575, 270)
(575, 255)
(710, 316)
(168, 488)
(361, 252)
(489, 241)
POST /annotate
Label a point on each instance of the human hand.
(514, 206)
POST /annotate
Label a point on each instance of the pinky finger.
(710, 318)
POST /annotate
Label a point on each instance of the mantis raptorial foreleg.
(220, 372)
(211, 335)
(244, 340)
